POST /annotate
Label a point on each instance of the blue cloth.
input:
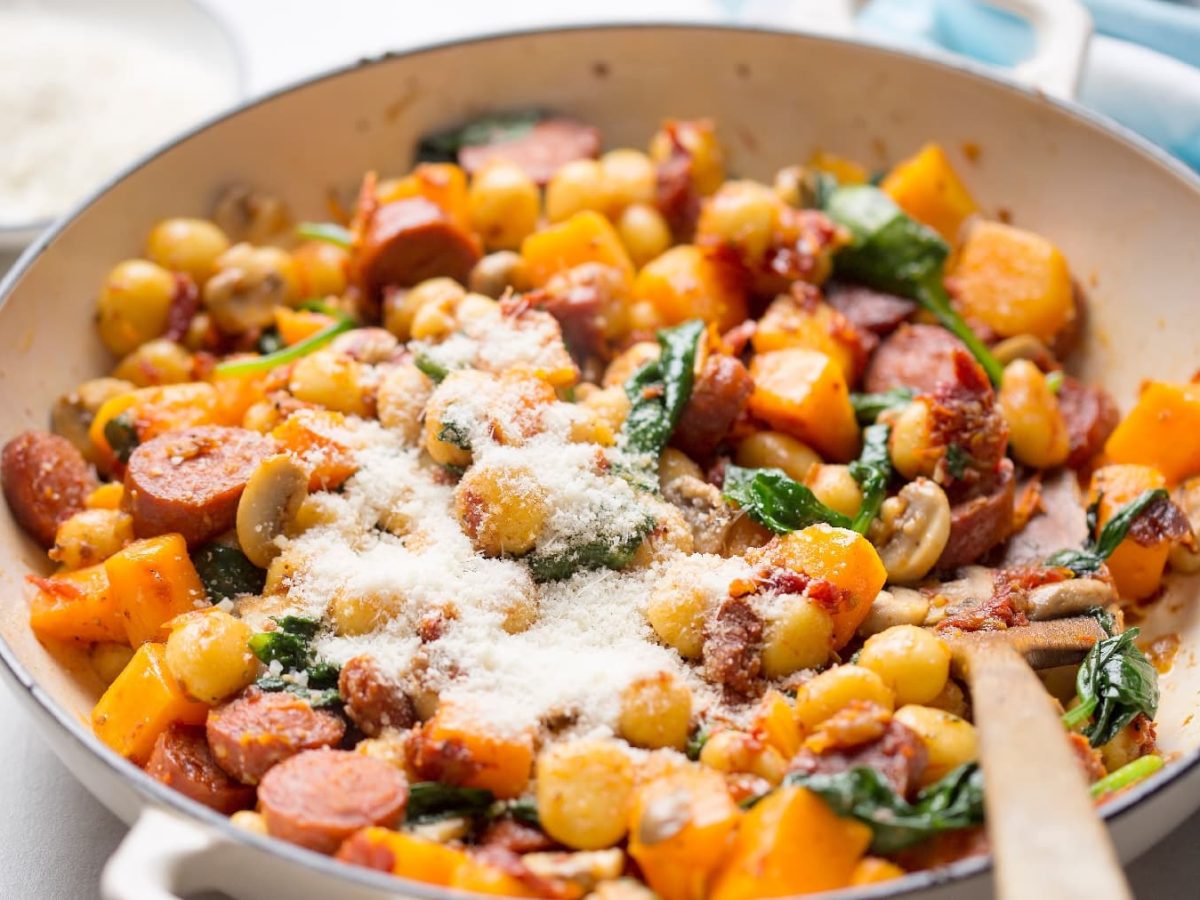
(1141, 69)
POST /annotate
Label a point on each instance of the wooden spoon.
(1047, 840)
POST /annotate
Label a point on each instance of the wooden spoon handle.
(1047, 839)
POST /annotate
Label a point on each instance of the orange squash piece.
(443, 184)
(157, 410)
(498, 763)
(846, 171)
(1162, 430)
(791, 843)
(689, 282)
(1136, 570)
(873, 870)
(803, 393)
(318, 438)
(414, 857)
(927, 188)
(775, 722)
(837, 555)
(811, 325)
(295, 325)
(1014, 281)
(76, 606)
(678, 863)
(478, 877)
(139, 705)
(153, 581)
(107, 496)
(586, 237)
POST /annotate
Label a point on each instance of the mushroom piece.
(1068, 598)
(73, 413)
(894, 606)
(249, 215)
(704, 509)
(911, 530)
(269, 504)
(1187, 497)
(1021, 346)
(249, 284)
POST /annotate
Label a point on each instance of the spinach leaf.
(443, 146)
(291, 646)
(658, 392)
(695, 742)
(432, 800)
(1096, 550)
(454, 433)
(317, 699)
(524, 811)
(894, 253)
(592, 551)
(869, 407)
(872, 470)
(289, 650)
(1115, 682)
(431, 367)
(225, 571)
(954, 802)
(121, 433)
(774, 499)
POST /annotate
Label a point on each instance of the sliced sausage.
(981, 523)
(318, 798)
(547, 147)
(190, 481)
(516, 837)
(732, 646)
(915, 356)
(360, 850)
(181, 759)
(579, 299)
(718, 399)
(373, 701)
(410, 240)
(46, 481)
(258, 730)
(870, 310)
(1091, 415)
(675, 191)
(898, 755)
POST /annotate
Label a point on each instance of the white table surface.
(54, 837)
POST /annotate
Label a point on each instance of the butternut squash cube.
(411, 857)
(318, 438)
(1014, 281)
(76, 606)
(497, 762)
(1137, 570)
(927, 188)
(443, 184)
(586, 237)
(689, 282)
(1162, 430)
(838, 555)
(139, 705)
(811, 325)
(153, 581)
(678, 862)
(295, 325)
(803, 393)
(155, 411)
(791, 843)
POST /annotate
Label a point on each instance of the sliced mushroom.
(269, 505)
(443, 831)
(1021, 346)
(911, 530)
(249, 215)
(1068, 598)
(895, 606)
(974, 585)
(586, 869)
(704, 509)
(1187, 497)
(249, 284)
(72, 414)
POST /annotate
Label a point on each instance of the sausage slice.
(46, 481)
(549, 145)
(868, 309)
(915, 356)
(717, 401)
(182, 759)
(373, 701)
(319, 798)
(1091, 415)
(979, 524)
(256, 731)
(410, 240)
(190, 481)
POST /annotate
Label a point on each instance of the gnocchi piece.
(208, 653)
(584, 793)
(655, 712)
(913, 662)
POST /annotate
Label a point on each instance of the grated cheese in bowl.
(79, 100)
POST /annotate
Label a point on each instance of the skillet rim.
(152, 790)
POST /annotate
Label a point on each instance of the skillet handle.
(162, 858)
(1062, 30)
